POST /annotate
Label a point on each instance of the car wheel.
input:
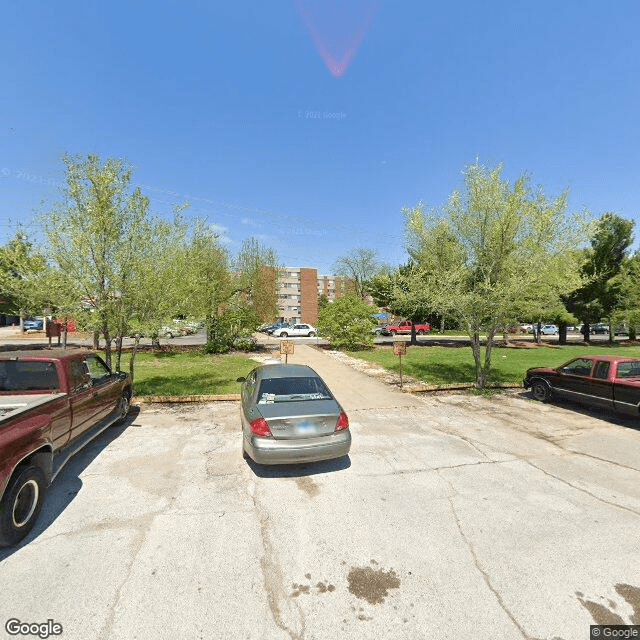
(284, 334)
(392, 333)
(311, 334)
(540, 390)
(124, 404)
(21, 505)
(421, 332)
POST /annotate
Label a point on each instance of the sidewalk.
(353, 389)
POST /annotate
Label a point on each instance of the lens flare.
(337, 28)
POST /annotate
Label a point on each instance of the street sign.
(287, 347)
(400, 348)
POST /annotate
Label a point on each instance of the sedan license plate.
(305, 428)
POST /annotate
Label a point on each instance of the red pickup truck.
(404, 327)
(52, 403)
(605, 381)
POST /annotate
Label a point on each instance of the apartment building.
(298, 292)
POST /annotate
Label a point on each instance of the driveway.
(454, 516)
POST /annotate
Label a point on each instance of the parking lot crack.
(274, 585)
(136, 546)
(582, 489)
(477, 564)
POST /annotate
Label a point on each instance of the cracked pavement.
(454, 516)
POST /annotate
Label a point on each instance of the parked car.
(275, 326)
(599, 328)
(289, 415)
(380, 330)
(606, 381)
(52, 403)
(549, 329)
(295, 331)
(36, 323)
(404, 327)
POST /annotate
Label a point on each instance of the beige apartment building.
(298, 292)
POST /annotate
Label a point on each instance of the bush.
(347, 322)
(245, 344)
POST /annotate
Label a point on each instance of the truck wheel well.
(42, 458)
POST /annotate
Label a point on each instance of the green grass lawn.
(167, 373)
(450, 365)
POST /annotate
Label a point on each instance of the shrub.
(347, 322)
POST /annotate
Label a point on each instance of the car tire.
(311, 334)
(421, 332)
(124, 405)
(284, 334)
(21, 504)
(392, 332)
(540, 390)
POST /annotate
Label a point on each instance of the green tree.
(359, 265)
(603, 262)
(22, 268)
(496, 249)
(258, 268)
(93, 236)
(347, 322)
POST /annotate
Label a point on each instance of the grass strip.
(437, 365)
(171, 373)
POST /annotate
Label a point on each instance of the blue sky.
(232, 108)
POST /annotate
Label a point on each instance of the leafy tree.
(600, 296)
(497, 249)
(97, 237)
(359, 266)
(347, 322)
(257, 266)
(21, 270)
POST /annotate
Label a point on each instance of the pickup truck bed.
(11, 406)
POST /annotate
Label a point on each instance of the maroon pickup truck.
(604, 381)
(52, 403)
(404, 327)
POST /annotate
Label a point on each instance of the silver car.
(289, 415)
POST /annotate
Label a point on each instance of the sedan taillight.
(260, 427)
(343, 422)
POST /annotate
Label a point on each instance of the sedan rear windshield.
(292, 390)
(23, 375)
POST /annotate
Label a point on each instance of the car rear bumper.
(272, 451)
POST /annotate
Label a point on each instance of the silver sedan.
(289, 415)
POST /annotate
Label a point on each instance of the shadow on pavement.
(68, 484)
(299, 470)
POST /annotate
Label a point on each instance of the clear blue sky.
(213, 103)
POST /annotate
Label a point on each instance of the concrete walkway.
(353, 389)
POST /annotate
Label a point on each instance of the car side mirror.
(241, 379)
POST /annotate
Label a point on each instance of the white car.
(295, 330)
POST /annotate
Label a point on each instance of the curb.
(230, 397)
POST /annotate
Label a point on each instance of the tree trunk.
(118, 351)
(442, 324)
(487, 358)
(632, 332)
(475, 348)
(539, 333)
(413, 340)
(133, 356)
(96, 340)
(585, 331)
(562, 333)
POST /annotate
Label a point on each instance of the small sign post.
(286, 347)
(400, 349)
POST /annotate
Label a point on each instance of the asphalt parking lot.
(454, 516)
